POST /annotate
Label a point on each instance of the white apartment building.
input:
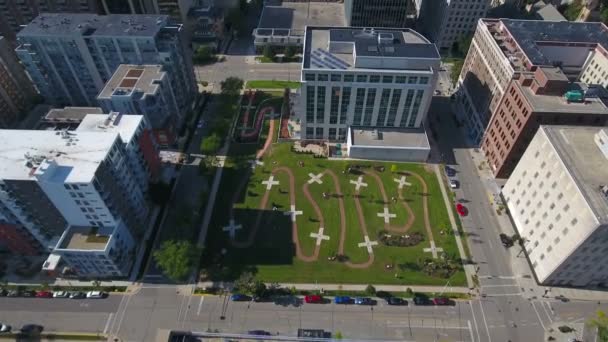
(596, 69)
(447, 21)
(558, 198)
(53, 183)
(363, 77)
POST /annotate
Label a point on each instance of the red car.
(313, 299)
(461, 209)
(44, 294)
(441, 301)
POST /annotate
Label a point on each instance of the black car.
(259, 333)
(28, 293)
(421, 300)
(396, 301)
(449, 171)
(32, 329)
(3, 293)
(505, 240)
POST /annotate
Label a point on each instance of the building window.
(348, 78)
(565, 231)
(424, 80)
(412, 80)
(362, 78)
(550, 226)
(322, 77)
(374, 79)
(574, 221)
(336, 78)
(387, 79)
(310, 77)
(400, 79)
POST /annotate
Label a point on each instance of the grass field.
(272, 254)
(271, 84)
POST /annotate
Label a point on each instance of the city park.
(287, 213)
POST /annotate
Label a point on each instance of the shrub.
(400, 240)
(370, 290)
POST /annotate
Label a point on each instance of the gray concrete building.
(380, 13)
(71, 57)
(17, 93)
(558, 199)
(394, 144)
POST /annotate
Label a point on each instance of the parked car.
(4, 328)
(3, 292)
(461, 209)
(95, 294)
(77, 295)
(239, 297)
(60, 294)
(505, 240)
(44, 294)
(421, 300)
(449, 171)
(13, 293)
(454, 184)
(201, 123)
(262, 299)
(342, 300)
(32, 329)
(441, 301)
(28, 293)
(363, 301)
(396, 301)
(259, 333)
(313, 299)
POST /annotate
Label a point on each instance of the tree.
(247, 283)
(203, 54)
(604, 15)
(370, 290)
(268, 52)
(176, 258)
(211, 144)
(290, 51)
(232, 86)
(96, 284)
(394, 168)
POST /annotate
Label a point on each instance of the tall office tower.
(372, 78)
(380, 13)
(15, 13)
(80, 194)
(71, 57)
(145, 90)
(558, 199)
(17, 92)
(445, 22)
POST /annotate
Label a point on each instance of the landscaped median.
(271, 84)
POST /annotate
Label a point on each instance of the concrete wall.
(385, 153)
(596, 70)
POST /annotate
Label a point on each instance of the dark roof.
(528, 33)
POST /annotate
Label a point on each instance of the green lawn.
(272, 255)
(271, 84)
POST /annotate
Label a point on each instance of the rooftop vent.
(385, 38)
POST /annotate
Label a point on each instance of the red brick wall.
(17, 240)
(150, 150)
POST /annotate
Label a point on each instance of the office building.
(71, 57)
(15, 13)
(145, 90)
(79, 192)
(365, 77)
(558, 199)
(446, 22)
(544, 97)
(502, 49)
(17, 92)
(380, 13)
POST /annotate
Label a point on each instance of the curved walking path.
(410, 212)
(257, 126)
(268, 141)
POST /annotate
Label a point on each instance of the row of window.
(309, 76)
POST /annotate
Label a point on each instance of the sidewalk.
(349, 287)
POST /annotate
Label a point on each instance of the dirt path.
(269, 140)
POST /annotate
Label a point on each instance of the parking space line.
(546, 312)
(485, 322)
(471, 330)
(105, 329)
(475, 321)
(200, 305)
(538, 315)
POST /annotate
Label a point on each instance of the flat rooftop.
(125, 125)
(85, 238)
(558, 104)
(532, 36)
(584, 160)
(133, 78)
(364, 42)
(298, 15)
(84, 24)
(63, 156)
(390, 137)
(70, 114)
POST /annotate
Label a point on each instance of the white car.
(453, 184)
(60, 294)
(95, 294)
(4, 328)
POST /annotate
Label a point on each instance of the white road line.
(122, 317)
(538, 315)
(483, 314)
(503, 294)
(105, 329)
(471, 330)
(405, 325)
(475, 321)
(200, 305)
(120, 305)
(509, 285)
(186, 309)
(546, 312)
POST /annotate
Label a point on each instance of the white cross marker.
(319, 236)
(232, 228)
(359, 183)
(387, 216)
(270, 182)
(315, 178)
(293, 213)
(368, 244)
(401, 181)
(255, 163)
(433, 249)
